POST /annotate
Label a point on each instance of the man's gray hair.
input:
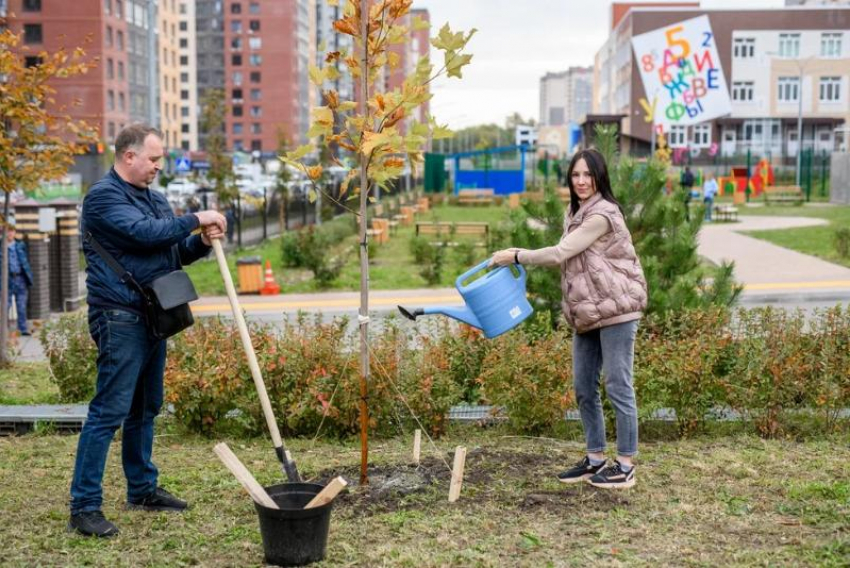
(133, 136)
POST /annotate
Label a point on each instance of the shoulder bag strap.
(125, 276)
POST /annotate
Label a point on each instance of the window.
(184, 60)
(256, 59)
(238, 145)
(119, 36)
(184, 43)
(256, 128)
(121, 70)
(678, 136)
(237, 110)
(33, 6)
(119, 8)
(184, 145)
(184, 77)
(107, 7)
(110, 100)
(32, 61)
(237, 77)
(256, 77)
(254, 25)
(236, 59)
(109, 37)
(788, 89)
(236, 43)
(237, 94)
(165, 56)
(32, 33)
(830, 89)
(182, 7)
(110, 69)
(184, 26)
(830, 45)
(236, 8)
(742, 91)
(122, 102)
(237, 128)
(184, 94)
(702, 135)
(255, 43)
(111, 130)
(184, 111)
(789, 45)
(236, 26)
(256, 145)
(254, 8)
(256, 95)
(256, 111)
(184, 129)
(744, 47)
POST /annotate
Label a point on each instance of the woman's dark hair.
(598, 171)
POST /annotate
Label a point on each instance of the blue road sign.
(183, 165)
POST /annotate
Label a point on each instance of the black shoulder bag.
(166, 299)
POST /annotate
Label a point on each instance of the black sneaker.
(613, 477)
(580, 471)
(92, 523)
(159, 500)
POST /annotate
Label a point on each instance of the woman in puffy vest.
(604, 295)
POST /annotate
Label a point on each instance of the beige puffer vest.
(604, 285)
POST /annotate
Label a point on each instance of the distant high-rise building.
(188, 66)
(209, 55)
(142, 58)
(171, 90)
(328, 41)
(566, 96)
(267, 56)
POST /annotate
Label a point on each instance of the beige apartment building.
(169, 72)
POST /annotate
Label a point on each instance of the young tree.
(213, 112)
(38, 140)
(373, 126)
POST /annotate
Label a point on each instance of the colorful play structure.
(739, 185)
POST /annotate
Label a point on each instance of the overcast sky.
(519, 41)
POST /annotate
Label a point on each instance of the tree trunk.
(364, 254)
(4, 284)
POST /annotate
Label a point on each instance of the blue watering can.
(495, 303)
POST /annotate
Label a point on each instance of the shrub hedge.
(769, 365)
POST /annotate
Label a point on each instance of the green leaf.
(419, 23)
(317, 75)
(438, 131)
(299, 152)
(455, 63)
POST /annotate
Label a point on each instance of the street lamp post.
(800, 124)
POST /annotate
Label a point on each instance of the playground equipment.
(502, 169)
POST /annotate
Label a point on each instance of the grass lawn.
(816, 241)
(724, 501)
(391, 268)
(27, 383)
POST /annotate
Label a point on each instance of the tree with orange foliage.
(37, 141)
(369, 127)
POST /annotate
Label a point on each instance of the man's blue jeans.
(20, 291)
(130, 366)
(609, 349)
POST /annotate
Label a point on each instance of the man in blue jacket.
(137, 226)
(20, 278)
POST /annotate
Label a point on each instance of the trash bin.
(249, 269)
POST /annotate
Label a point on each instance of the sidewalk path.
(767, 268)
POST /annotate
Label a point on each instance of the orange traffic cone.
(270, 287)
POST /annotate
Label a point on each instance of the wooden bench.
(725, 213)
(515, 198)
(792, 194)
(475, 196)
(443, 230)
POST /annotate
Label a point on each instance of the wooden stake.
(457, 474)
(417, 445)
(241, 473)
(327, 494)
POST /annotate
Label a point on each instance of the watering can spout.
(463, 314)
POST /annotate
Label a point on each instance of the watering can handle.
(478, 268)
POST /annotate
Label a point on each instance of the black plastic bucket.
(293, 535)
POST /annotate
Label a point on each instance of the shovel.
(282, 454)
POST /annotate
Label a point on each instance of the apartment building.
(565, 96)
(169, 73)
(209, 55)
(187, 45)
(778, 63)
